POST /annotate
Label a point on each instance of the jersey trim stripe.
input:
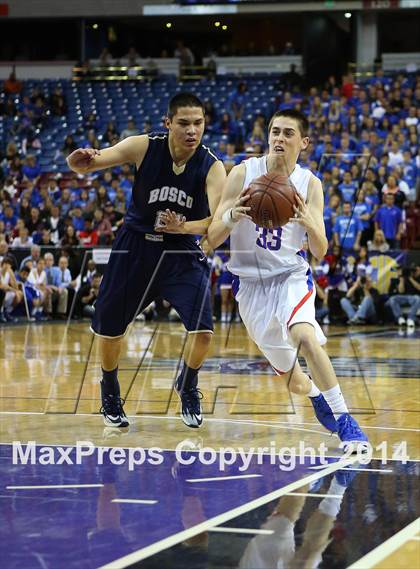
(210, 152)
(160, 137)
(300, 304)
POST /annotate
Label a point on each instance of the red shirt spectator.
(88, 237)
(12, 86)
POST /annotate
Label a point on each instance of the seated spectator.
(105, 57)
(8, 217)
(56, 223)
(378, 242)
(12, 296)
(89, 236)
(65, 279)
(65, 202)
(115, 216)
(35, 223)
(38, 279)
(32, 259)
(78, 221)
(388, 218)
(58, 103)
(110, 132)
(132, 56)
(31, 170)
(237, 100)
(408, 289)
(4, 252)
(359, 302)
(90, 271)
(395, 155)
(87, 295)
(347, 230)
(57, 299)
(45, 242)
(330, 215)
(230, 159)
(23, 240)
(130, 130)
(70, 238)
(103, 228)
(69, 145)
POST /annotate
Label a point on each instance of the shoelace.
(191, 399)
(113, 405)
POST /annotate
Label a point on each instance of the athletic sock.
(314, 392)
(335, 400)
(188, 377)
(109, 382)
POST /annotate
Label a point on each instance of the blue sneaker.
(323, 413)
(350, 433)
(345, 477)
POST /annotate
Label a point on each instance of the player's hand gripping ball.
(271, 199)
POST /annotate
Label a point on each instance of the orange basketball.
(272, 200)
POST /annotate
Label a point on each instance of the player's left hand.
(171, 222)
(302, 213)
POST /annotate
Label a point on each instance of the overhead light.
(95, 26)
(168, 25)
(347, 15)
(224, 27)
(217, 24)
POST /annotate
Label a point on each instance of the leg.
(414, 304)
(303, 337)
(196, 348)
(226, 297)
(366, 310)
(347, 306)
(395, 303)
(112, 406)
(109, 350)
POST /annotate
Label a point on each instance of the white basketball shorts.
(269, 307)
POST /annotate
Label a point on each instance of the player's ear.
(167, 122)
(305, 142)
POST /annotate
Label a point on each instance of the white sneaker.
(401, 321)
(410, 323)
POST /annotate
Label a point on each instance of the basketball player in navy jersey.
(273, 282)
(177, 188)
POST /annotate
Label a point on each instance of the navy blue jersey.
(157, 187)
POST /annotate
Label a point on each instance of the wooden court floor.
(49, 392)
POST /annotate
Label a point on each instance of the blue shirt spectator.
(389, 218)
(347, 229)
(348, 188)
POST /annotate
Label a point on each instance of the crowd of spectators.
(364, 146)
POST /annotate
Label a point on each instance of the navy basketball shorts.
(140, 270)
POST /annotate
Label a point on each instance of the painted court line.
(217, 478)
(133, 501)
(388, 547)
(242, 530)
(51, 486)
(314, 495)
(383, 470)
(154, 548)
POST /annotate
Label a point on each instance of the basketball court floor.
(171, 497)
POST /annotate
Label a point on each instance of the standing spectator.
(348, 188)
(359, 302)
(395, 155)
(388, 218)
(392, 187)
(347, 230)
(408, 295)
(364, 213)
(330, 215)
(58, 294)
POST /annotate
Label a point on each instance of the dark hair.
(183, 100)
(298, 116)
(25, 269)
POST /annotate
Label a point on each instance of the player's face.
(186, 127)
(285, 139)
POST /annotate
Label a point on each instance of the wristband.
(228, 220)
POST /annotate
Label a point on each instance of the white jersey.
(257, 252)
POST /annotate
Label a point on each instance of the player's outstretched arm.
(232, 207)
(131, 150)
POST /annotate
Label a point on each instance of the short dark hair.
(183, 100)
(298, 116)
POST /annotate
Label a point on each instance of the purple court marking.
(84, 528)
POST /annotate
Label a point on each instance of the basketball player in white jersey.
(273, 281)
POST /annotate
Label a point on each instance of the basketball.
(272, 199)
